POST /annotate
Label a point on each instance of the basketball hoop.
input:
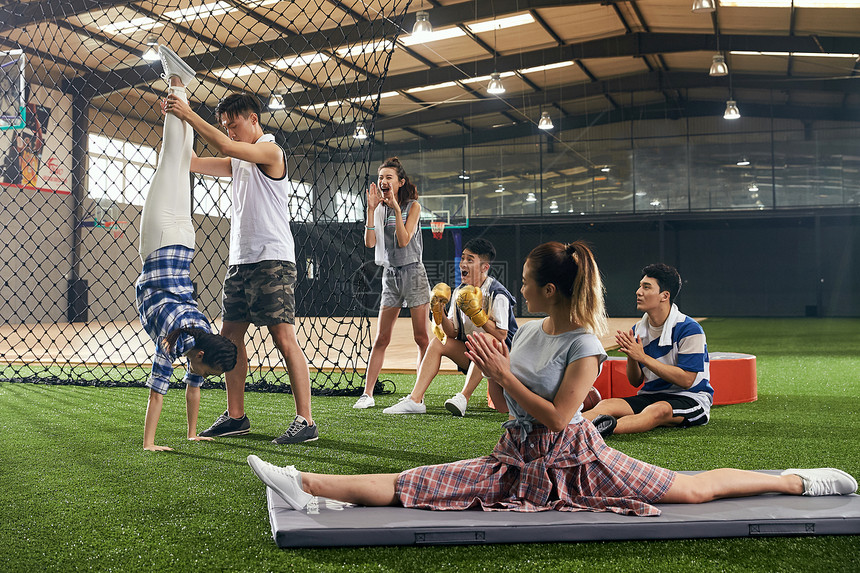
(437, 227)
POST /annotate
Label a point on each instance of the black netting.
(83, 142)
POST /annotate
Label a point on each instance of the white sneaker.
(364, 402)
(174, 66)
(825, 481)
(457, 404)
(406, 406)
(285, 481)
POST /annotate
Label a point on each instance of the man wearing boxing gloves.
(480, 304)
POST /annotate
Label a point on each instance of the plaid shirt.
(572, 470)
(165, 302)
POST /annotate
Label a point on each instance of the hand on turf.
(154, 448)
(490, 355)
(374, 197)
(631, 345)
(200, 439)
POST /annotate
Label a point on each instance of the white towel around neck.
(675, 315)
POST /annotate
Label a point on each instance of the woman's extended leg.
(166, 217)
(297, 488)
(366, 489)
(722, 483)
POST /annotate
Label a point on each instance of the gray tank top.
(395, 255)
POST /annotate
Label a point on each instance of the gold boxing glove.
(440, 296)
(471, 302)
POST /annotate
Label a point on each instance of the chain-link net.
(82, 145)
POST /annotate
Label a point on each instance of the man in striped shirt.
(666, 351)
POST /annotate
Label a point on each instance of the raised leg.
(166, 216)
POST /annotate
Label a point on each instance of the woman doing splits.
(549, 457)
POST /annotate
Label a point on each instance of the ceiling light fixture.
(545, 121)
(463, 175)
(422, 27)
(530, 198)
(151, 52)
(606, 169)
(743, 162)
(360, 132)
(753, 187)
(732, 111)
(704, 6)
(500, 188)
(719, 67)
(276, 101)
(496, 86)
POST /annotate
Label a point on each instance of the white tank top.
(260, 225)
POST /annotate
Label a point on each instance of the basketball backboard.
(13, 106)
(452, 209)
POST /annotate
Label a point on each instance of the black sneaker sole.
(455, 411)
(275, 441)
(226, 434)
(236, 433)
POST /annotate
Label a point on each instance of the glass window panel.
(301, 202)
(106, 180)
(115, 182)
(349, 207)
(138, 178)
(97, 144)
(140, 153)
(661, 173)
(120, 170)
(212, 196)
(811, 173)
(98, 182)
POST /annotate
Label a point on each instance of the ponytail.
(408, 191)
(587, 306)
(573, 271)
(218, 351)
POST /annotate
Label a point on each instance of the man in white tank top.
(261, 277)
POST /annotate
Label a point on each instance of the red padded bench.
(733, 377)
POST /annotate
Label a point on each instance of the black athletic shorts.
(693, 412)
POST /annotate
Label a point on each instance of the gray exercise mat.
(326, 523)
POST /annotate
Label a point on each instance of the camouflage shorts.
(262, 293)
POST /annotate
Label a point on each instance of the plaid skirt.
(572, 470)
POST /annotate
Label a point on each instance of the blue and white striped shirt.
(687, 350)
(165, 302)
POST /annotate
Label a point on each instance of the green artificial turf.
(78, 492)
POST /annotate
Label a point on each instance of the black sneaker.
(227, 426)
(299, 431)
(605, 424)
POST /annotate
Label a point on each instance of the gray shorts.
(405, 286)
(262, 293)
